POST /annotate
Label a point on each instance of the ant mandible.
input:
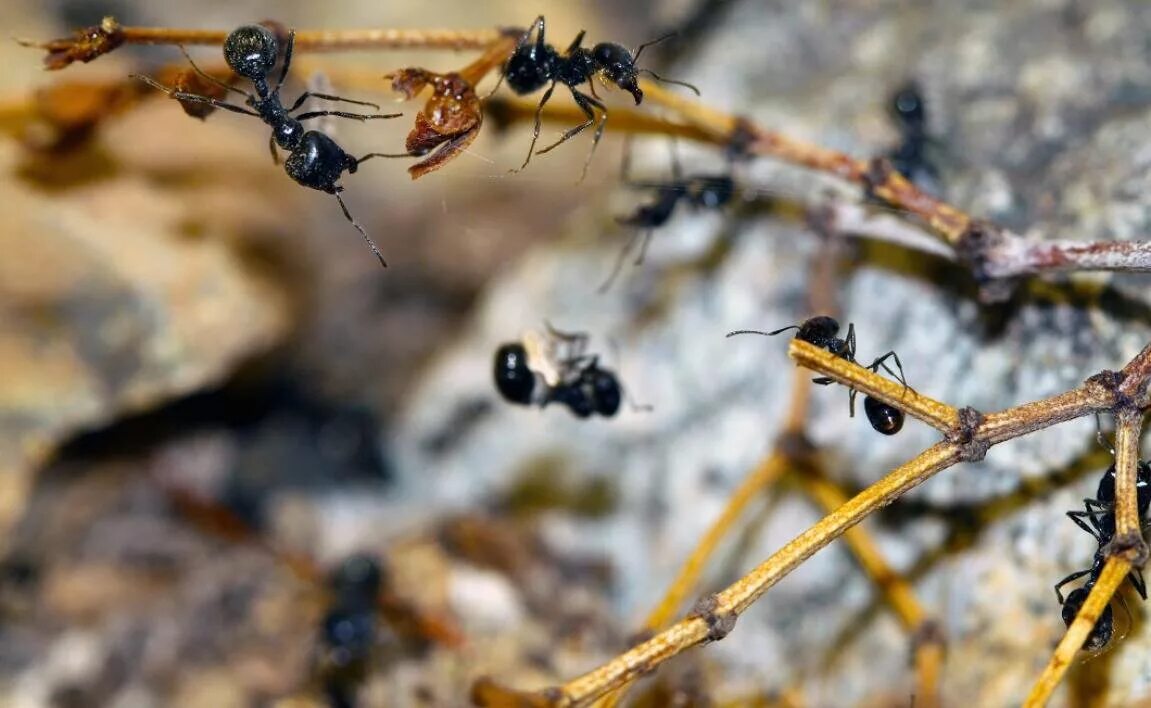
(533, 65)
(703, 191)
(314, 159)
(822, 331)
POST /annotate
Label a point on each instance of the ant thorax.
(553, 355)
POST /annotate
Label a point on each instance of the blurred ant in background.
(913, 157)
(702, 191)
(348, 632)
(823, 331)
(534, 65)
(534, 371)
(314, 159)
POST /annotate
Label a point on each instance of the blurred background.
(222, 426)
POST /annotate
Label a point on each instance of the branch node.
(719, 624)
(879, 171)
(1130, 546)
(740, 140)
(929, 632)
(971, 449)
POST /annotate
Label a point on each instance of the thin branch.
(1109, 581)
(935, 413)
(1128, 528)
(89, 43)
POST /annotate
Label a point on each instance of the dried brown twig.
(967, 440)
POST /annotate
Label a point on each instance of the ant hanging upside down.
(534, 65)
(314, 159)
(702, 191)
(823, 331)
(535, 372)
(1098, 519)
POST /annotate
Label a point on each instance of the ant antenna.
(657, 77)
(353, 222)
(208, 77)
(756, 331)
(645, 45)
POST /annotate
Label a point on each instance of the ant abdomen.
(884, 418)
(1101, 633)
(251, 51)
(318, 161)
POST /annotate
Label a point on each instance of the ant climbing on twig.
(314, 159)
(823, 332)
(703, 191)
(534, 371)
(535, 64)
(1098, 519)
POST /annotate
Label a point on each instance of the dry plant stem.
(938, 415)
(1128, 532)
(928, 657)
(992, 252)
(711, 620)
(766, 472)
(1113, 575)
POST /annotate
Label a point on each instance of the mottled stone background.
(174, 311)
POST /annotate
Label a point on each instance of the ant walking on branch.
(823, 331)
(914, 157)
(1098, 519)
(314, 159)
(703, 191)
(536, 64)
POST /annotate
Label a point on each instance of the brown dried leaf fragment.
(84, 45)
(450, 120)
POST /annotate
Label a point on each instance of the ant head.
(616, 64)
(361, 572)
(251, 51)
(514, 380)
(711, 192)
(908, 107)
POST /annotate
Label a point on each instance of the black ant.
(704, 191)
(1100, 523)
(912, 157)
(822, 331)
(532, 372)
(314, 159)
(534, 65)
(348, 630)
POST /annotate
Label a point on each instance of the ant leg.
(1138, 583)
(898, 364)
(676, 168)
(851, 402)
(1077, 517)
(587, 104)
(1070, 578)
(287, 59)
(193, 97)
(272, 149)
(353, 222)
(575, 42)
(370, 155)
(327, 97)
(539, 117)
(208, 77)
(344, 114)
(850, 340)
(615, 271)
(643, 247)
